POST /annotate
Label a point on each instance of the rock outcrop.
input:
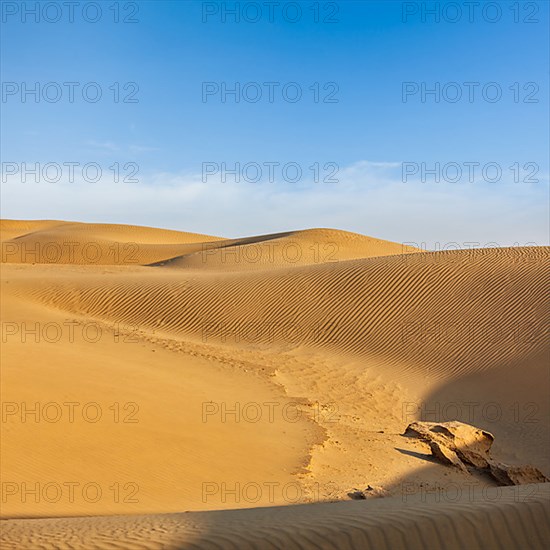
(465, 447)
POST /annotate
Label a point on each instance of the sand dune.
(515, 516)
(10, 229)
(54, 242)
(336, 340)
(284, 250)
(51, 242)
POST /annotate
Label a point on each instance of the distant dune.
(155, 372)
(108, 244)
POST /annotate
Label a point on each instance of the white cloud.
(370, 198)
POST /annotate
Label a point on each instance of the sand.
(163, 389)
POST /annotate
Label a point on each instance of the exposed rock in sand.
(446, 456)
(370, 492)
(516, 475)
(460, 445)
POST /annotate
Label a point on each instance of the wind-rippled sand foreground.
(147, 373)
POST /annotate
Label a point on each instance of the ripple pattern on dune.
(510, 518)
(442, 313)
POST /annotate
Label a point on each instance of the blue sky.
(360, 61)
